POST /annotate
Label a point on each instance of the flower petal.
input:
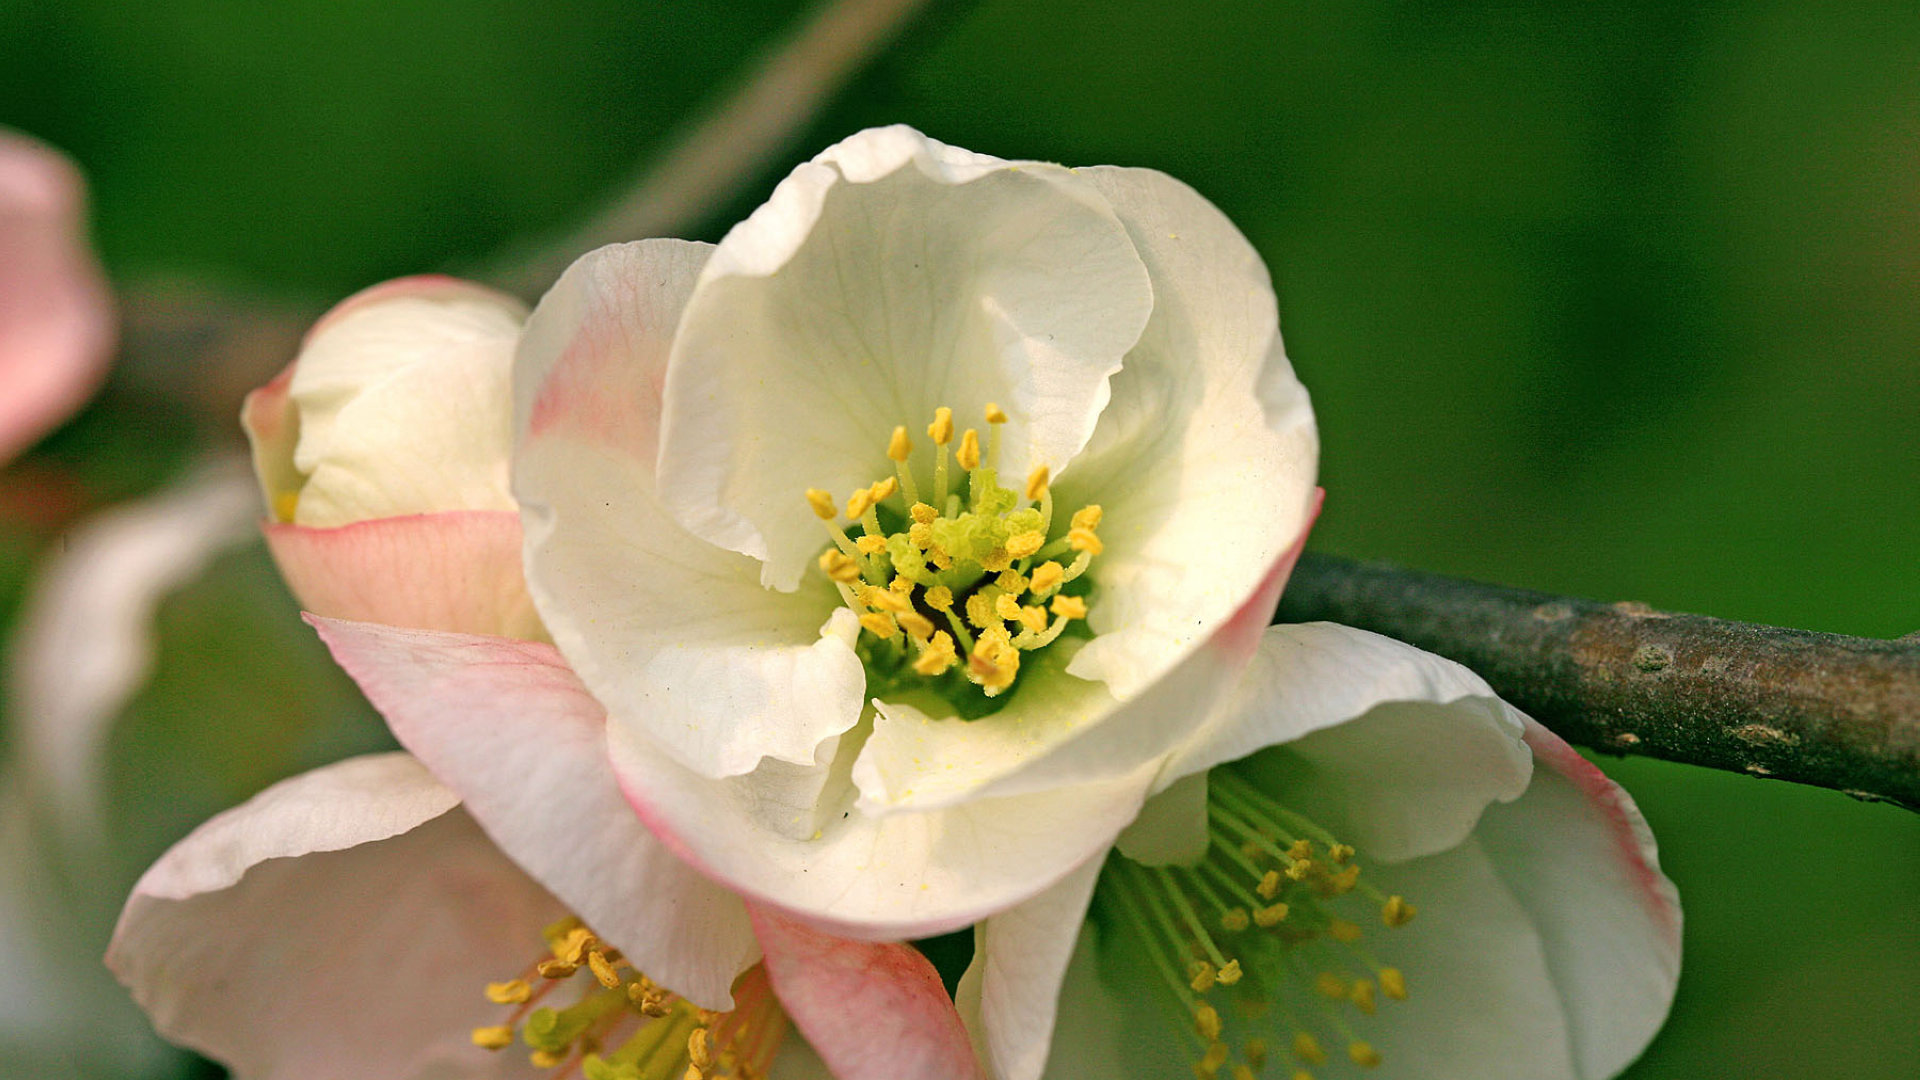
(403, 402)
(457, 570)
(874, 1011)
(688, 649)
(1010, 994)
(1395, 749)
(1579, 858)
(1204, 460)
(343, 918)
(887, 277)
(56, 318)
(506, 725)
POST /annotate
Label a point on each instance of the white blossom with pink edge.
(56, 317)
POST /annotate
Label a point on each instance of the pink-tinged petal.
(873, 1010)
(689, 650)
(340, 924)
(1010, 994)
(457, 571)
(272, 425)
(508, 727)
(56, 317)
(1395, 749)
(1579, 858)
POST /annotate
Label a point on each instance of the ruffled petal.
(1204, 461)
(676, 636)
(1579, 858)
(56, 317)
(509, 728)
(403, 405)
(889, 276)
(1396, 750)
(1011, 992)
(457, 570)
(874, 1011)
(341, 921)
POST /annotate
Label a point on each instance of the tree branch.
(1824, 709)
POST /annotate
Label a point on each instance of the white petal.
(1011, 992)
(676, 636)
(1396, 750)
(1204, 461)
(1579, 858)
(516, 736)
(404, 404)
(887, 277)
(341, 920)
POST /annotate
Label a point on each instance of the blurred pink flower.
(56, 317)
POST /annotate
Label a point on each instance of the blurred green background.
(1617, 300)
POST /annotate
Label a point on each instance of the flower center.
(1254, 939)
(951, 590)
(622, 1025)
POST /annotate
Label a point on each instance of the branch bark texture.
(1824, 709)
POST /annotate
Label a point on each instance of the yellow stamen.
(1362, 996)
(493, 1038)
(1203, 976)
(886, 600)
(699, 1049)
(1047, 577)
(1396, 912)
(1088, 517)
(1269, 886)
(1393, 983)
(839, 566)
(1006, 607)
(1206, 1021)
(979, 611)
(858, 503)
(511, 992)
(1024, 544)
(1230, 973)
(968, 456)
(1083, 539)
(1234, 920)
(1037, 483)
(899, 447)
(603, 969)
(879, 625)
(937, 657)
(916, 624)
(1308, 1049)
(1343, 931)
(941, 430)
(883, 488)
(1072, 607)
(923, 514)
(822, 504)
(995, 415)
(546, 1059)
(1330, 986)
(1033, 618)
(285, 505)
(940, 598)
(920, 536)
(1363, 1054)
(1272, 915)
(870, 545)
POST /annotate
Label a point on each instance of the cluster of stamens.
(1255, 935)
(622, 1025)
(962, 582)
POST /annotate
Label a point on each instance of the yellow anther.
(1021, 545)
(573, 948)
(923, 514)
(511, 992)
(920, 536)
(1300, 871)
(1234, 920)
(1308, 1049)
(902, 585)
(994, 661)
(1340, 853)
(916, 624)
(1088, 517)
(871, 545)
(822, 504)
(1033, 618)
(1396, 912)
(1269, 886)
(1341, 882)
(1255, 1052)
(1216, 1056)
(839, 566)
(1362, 996)
(1344, 931)
(1393, 984)
(941, 430)
(995, 415)
(546, 1059)
(1072, 607)
(883, 488)
(1230, 973)
(880, 625)
(1011, 581)
(1243, 1072)
(859, 503)
(940, 559)
(899, 447)
(1206, 1021)
(556, 969)
(647, 998)
(700, 1048)
(1080, 538)
(887, 600)
(1272, 915)
(937, 657)
(1037, 483)
(493, 1038)
(940, 598)
(968, 456)
(1047, 577)
(603, 969)
(996, 561)
(1363, 1054)
(1006, 606)
(285, 505)
(1203, 976)
(1330, 986)
(1300, 849)
(979, 611)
